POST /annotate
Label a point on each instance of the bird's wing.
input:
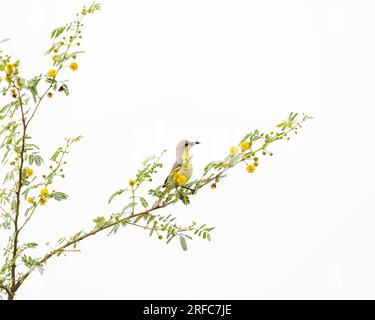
(175, 168)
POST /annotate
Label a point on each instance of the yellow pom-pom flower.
(73, 66)
(9, 68)
(13, 92)
(244, 145)
(131, 182)
(180, 178)
(43, 201)
(29, 172)
(44, 192)
(250, 168)
(233, 150)
(55, 58)
(52, 73)
(30, 200)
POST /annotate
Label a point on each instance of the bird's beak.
(192, 143)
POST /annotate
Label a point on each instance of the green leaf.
(65, 89)
(58, 31)
(152, 230)
(94, 7)
(100, 221)
(172, 235)
(40, 269)
(32, 86)
(35, 158)
(185, 200)
(59, 196)
(76, 139)
(139, 218)
(130, 205)
(117, 193)
(30, 245)
(183, 243)
(144, 202)
(56, 154)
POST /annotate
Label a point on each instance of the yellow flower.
(30, 200)
(56, 58)
(29, 172)
(44, 192)
(52, 73)
(73, 66)
(13, 92)
(9, 68)
(131, 182)
(250, 168)
(180, 178)
(244, 145)
(43, 201)
(233, 150)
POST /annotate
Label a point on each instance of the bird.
(182, 169)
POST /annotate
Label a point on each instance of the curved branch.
(128, 219)
(3, 287)
(89, 234)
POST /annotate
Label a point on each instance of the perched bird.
(182, 169)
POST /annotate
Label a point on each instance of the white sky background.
(155, 72)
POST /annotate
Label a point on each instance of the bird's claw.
(192, 191)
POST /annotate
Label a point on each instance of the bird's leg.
(187, 188)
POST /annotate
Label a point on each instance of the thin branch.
(20, 182)
(6, 289)
(145, 212)
(89, 234)
(18, 193)
(58, 165)
(57, 72)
